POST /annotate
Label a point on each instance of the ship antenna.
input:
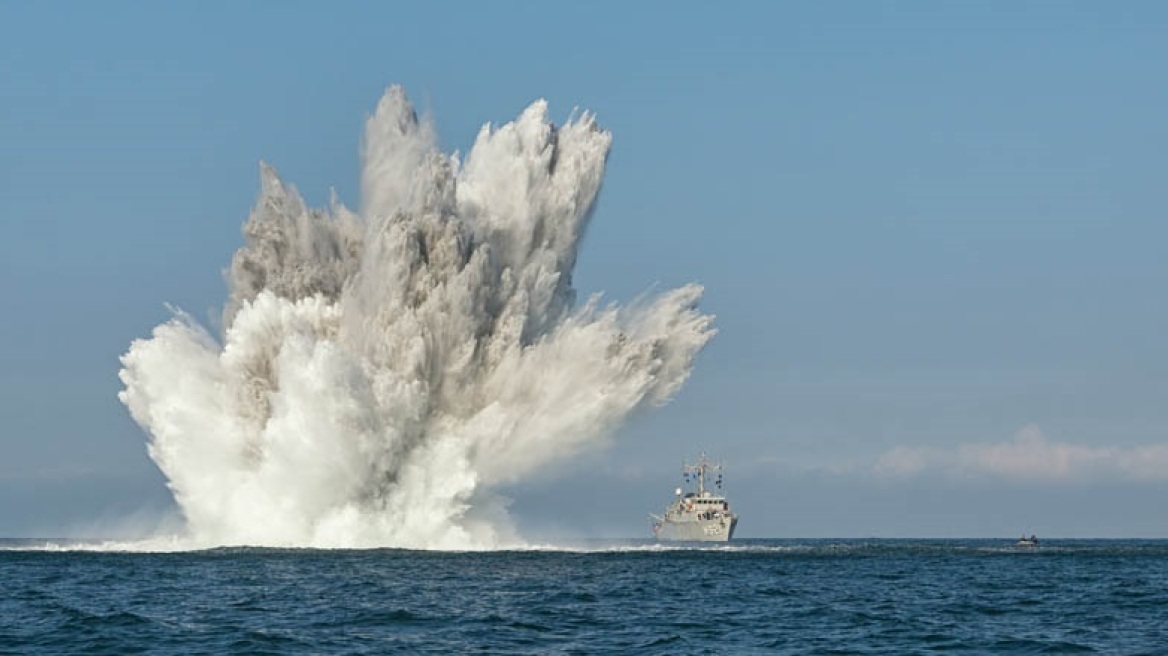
(698, 470)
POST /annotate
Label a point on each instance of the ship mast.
(700, 469)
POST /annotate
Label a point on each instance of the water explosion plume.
(381, 373)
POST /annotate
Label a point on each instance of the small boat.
(1024, 541)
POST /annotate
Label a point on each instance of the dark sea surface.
(752, 596)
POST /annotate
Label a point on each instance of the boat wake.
(383, 371)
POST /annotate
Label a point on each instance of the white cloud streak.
(1029, 456)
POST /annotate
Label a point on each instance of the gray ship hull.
(699, 530)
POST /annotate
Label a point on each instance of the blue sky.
(932, 234)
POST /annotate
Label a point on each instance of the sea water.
(750, 596)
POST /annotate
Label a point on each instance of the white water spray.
(382, 372)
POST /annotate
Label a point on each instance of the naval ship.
(698, 515)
